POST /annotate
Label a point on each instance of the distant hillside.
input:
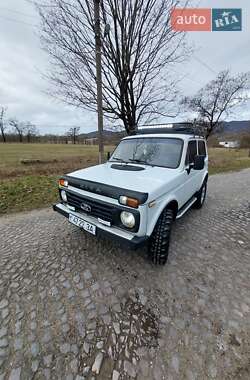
(107, 134)
(229, 127)
(236, 126)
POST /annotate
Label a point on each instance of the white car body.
(162, 185)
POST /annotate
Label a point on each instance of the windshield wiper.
(139, 161)
(119, 159)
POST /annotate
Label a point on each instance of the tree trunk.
(98, 56)
(3, 136)
(210, 129)
(130, 127)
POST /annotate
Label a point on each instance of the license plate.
(82, 224)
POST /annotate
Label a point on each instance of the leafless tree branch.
(73, 133)
(19, 128)
(138, 51)
(218, 98)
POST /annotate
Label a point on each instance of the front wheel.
(201, 195)
(160, 238)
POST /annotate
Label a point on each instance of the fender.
(205, 177)
(155, 212)
(160, 204)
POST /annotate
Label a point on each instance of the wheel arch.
(174, 206)
(171, 203)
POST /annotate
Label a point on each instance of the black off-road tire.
(160, 238)
(201, 195)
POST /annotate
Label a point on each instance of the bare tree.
(139, 47)
(218, 98)
(3, 126)
(73, 133)
(19, 128)
(30, 131)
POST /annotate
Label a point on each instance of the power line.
(204, 64)
(186, 76)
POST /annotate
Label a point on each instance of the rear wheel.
(160, 238)
(201, 195)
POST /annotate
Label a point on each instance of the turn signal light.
(131, 202)
(63, 182)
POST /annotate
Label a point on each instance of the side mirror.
(199, 162)
(108, 156)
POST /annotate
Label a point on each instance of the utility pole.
(98, 52)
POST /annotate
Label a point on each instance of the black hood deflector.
(105, 190)
(129, 168)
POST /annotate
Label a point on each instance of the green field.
(29, 172)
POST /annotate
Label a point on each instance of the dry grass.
(225, 160)
(29, 172)
(27, 193)
(54, 159)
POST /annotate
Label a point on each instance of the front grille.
(103, 210)
(100, 210)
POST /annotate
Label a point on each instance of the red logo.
(191, 19)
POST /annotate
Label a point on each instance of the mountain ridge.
(233, 126)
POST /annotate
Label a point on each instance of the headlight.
(127, 219)
(64, 196)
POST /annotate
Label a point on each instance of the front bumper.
(113, 233)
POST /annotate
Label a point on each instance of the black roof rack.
(176, 128)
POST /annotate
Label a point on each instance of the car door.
(202, 151)
(191, 176)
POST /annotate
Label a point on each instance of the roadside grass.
(31, 185)
(27, 193)
(226, 160)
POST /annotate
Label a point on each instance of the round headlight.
(127, 219)
(64, 196)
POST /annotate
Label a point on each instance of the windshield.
(165, 152)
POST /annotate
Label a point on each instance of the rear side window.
(191, 152)
(202, 148)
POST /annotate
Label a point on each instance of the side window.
(191, 152)
(202, 148)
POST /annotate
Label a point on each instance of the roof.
(184, 130)
(182, 136)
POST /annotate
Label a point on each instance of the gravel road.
(73, 307)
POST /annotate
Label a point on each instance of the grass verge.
(27, 193)
(226, 160)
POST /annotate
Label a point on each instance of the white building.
(230, 144)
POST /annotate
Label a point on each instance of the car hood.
(150, 180)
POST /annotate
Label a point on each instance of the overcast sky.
(22, 62)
